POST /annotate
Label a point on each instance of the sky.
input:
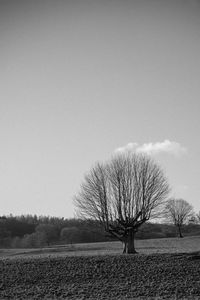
(81, 80)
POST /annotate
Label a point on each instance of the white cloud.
(166, 146)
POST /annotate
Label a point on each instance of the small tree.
(178, 212)
(198, 217)
(123, 194)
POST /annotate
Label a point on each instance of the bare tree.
(123, 194)
(178, 212)
(198, 217)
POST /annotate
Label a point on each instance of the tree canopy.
(122, 194)
(178, 212)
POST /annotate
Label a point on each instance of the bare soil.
(140, 276)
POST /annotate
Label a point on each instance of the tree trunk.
(129, 244)
(179, 231)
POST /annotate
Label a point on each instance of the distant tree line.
(29, 231)
(39, 231)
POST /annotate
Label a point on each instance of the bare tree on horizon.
(178, 212)
(123, 194)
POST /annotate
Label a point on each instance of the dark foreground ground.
(157, 276)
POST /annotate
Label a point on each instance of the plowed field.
(155, 276)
